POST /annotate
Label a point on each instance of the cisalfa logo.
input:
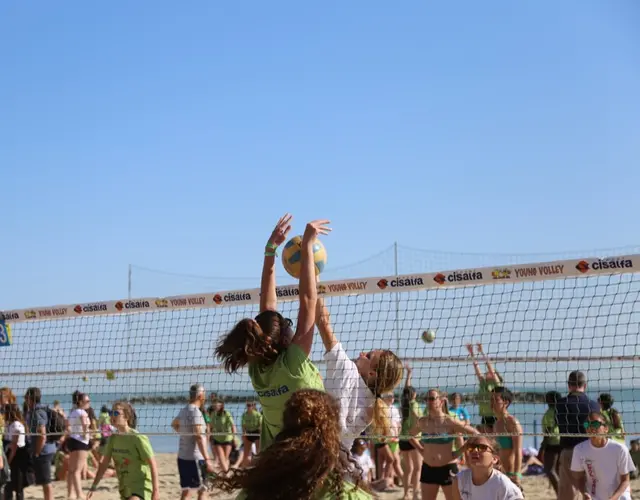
(382, 284)
(77, 309)
(217, 298)
(119, 306)
(582, 266)
(440, 278)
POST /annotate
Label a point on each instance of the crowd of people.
(337, 437)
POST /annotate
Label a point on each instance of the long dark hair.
(408, 395)
(255, 340)
(306, 455)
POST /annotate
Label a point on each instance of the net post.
(397, 296)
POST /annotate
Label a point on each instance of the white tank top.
(76, 418)
(498, 487)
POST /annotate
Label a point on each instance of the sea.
(155, 419)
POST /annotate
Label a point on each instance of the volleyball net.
(535, 322)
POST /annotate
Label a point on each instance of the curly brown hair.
(306, 455)
(255, 340)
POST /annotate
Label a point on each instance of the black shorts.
(488, 421)
(223, 443)
(406, 446)
(254, 437)
(442, 476)
(193, 474)
(42, 469)
(75, 445)
(377, 446)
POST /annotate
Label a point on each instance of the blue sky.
(173, 135)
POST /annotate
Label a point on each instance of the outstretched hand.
(316, 228)
(480, 351)
(470, 348)
(279, 234)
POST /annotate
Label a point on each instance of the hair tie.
(378, 396)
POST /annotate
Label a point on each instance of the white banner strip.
(430, 281)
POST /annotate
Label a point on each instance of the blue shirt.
(36, 418)
(571, 414)
(461, 413)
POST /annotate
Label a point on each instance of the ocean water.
(155, 420)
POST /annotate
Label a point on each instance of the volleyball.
(292, 256)
(428, 336)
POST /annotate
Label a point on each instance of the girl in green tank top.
(306, 460)
(612, 417)
(410, 443)
(276, 356)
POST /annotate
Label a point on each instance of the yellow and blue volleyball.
(292, 256)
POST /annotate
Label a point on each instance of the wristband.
(93, 487)
(272, 246)
(270, 254)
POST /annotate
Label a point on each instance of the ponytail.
(243, 343)
(381, 421)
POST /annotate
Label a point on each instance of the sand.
(536, 488)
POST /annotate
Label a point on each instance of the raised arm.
(307, 286)
(487, 360)
(476, 366)
(409, 370)
(268, 297)
(323, 321)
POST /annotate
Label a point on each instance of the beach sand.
(536, 488)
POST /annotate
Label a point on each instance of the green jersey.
(251, 420)
(617, 434)
(484, 397)
(290, 372)
(550, 426)
(415, 412)
(349, 492)
(222, 426)
(131, 453)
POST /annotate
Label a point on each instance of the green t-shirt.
(550, 426)
(415, 412)
(349, 492)
(131, 453)
(484, 397)
(222, 426)
(290, 372)
(251, 421)
(617, 433)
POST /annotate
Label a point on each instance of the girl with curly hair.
(278, 360)
(307, 459)
(358, 384)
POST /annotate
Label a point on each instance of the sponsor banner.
(496, 276)
(5, 334)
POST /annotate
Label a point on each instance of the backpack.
(56, 426)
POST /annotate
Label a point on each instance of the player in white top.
(17, 454)
(481, 481)
(77, 442)
(601, 465)
(358, 384)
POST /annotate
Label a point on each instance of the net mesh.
(535, 328)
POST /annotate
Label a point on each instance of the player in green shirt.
(133, 458)
(410, 445)
(487, 383)
(277, 359)
(612, 417)
(551, 442)
(251, 423)
(306, 460)
(223, 429)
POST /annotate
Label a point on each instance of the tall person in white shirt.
(358, 385)
(601, 465)
(77, 442)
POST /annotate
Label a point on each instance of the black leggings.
(18, 481)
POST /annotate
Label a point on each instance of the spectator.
(17, 454)
(572, 412)
(551, 442)
(193, 458)
(635, 456)
(77, 443)
(612, 416)
(460, 411)
(601, 465)
(41, 449)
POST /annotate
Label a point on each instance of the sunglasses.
(433, 398)
(482, 448)
(114, 413)
(594, 424)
